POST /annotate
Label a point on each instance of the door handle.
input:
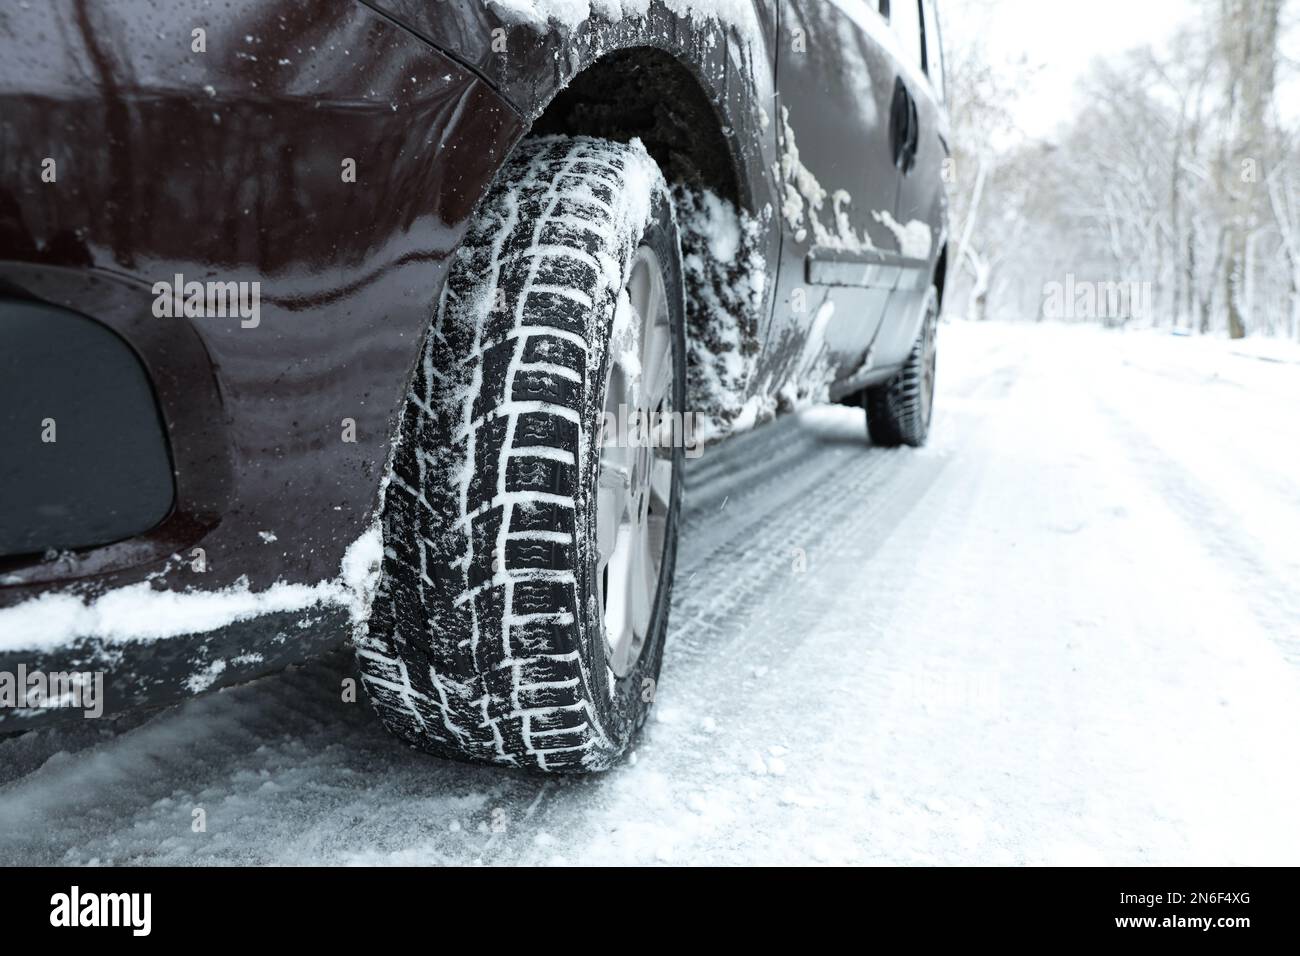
(900, 122)
(904, 127)
(914, 135)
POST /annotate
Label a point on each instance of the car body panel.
(226, 165)
(835, 85)
(922, 203)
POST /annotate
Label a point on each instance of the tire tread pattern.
(473, 649)
(896, 411)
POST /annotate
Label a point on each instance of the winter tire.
(899, 412)
(523, 602)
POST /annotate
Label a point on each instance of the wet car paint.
(226, 165)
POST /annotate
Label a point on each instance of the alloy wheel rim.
(931, 352)
(634, 484)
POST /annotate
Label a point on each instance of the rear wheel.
(529, 553)
(899, 412)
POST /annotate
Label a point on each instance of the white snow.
(1063, 633)
(915, 238)
(726, 287)
(139, 612)
(570, 14)
(624, 337)
(201, 680)
(805, 197)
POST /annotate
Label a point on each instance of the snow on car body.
(334, 159)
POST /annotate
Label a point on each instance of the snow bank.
(1280, 351)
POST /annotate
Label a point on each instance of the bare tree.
(1248, 34)
(1178, 174)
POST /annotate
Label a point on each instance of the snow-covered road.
(1067, 632)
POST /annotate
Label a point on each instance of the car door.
(920, 215)
(839, 257)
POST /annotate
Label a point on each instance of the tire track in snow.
(1263, 587)
(286, 772)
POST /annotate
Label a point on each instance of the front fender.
(228, 163)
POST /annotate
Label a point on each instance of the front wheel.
(899, 412)
(529, 551)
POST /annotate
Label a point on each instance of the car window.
(933, 46)
(905, 18)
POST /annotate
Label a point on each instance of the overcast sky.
(1062, 37)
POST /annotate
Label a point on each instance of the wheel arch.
(542, 67)
(648, 93)
(706, 112)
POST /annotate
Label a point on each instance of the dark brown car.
(396, 320)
